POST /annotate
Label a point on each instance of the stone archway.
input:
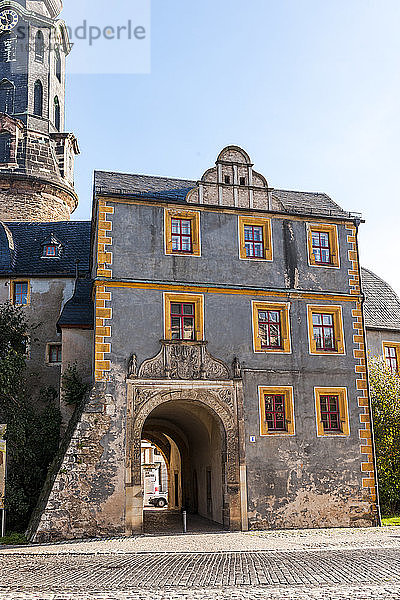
(220, 401)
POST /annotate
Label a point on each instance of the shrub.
(32, 436)
(74, 390)
(385, 399)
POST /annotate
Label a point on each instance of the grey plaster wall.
(77, 348)
(375, 337)
(47, 297)
(304, 480)
(138, 253)
(138, 325)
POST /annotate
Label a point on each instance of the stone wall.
(85, 493)
(30, 199)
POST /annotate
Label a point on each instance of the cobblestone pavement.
(358, 565)
(150, 572)
(289, 539)
(370, 592)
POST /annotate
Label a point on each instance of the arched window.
(5, 147)
(8, 47)
(58, 65)
(39, 47)
(7, 92)
(38, 99)
(57, 113)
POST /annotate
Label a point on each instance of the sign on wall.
(3, 429)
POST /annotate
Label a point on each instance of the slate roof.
(79, 310)
(382, 305)
(308, 203)
(145, 185)
(21, 248)
(165, 188)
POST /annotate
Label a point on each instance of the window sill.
(186, 342)
(277, 433)
(325, 265)
(272, 351)
(334, 434)
(327, 352)
(256, 259)
(194, 254)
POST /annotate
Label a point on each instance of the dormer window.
(51, 251)
(51, 248)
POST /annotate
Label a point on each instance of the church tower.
(36, 154)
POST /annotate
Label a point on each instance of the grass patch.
(13, 539)
(391, 521)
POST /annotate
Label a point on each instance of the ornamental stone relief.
(181, 360)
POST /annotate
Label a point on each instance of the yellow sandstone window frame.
(336, 312)
(194, 218)
(284, 309)
(13, 282)
(341, 392)
(287, 392)
(267, 237)
(332, 232)
(197, 300)
(396, 345)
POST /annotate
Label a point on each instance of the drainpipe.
(357, 222)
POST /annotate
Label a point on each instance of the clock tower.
(36, 154)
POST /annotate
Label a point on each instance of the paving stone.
(369, 592)
(193, 570)
(336, 564)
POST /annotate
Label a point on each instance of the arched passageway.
(197, 432)
(194, 442)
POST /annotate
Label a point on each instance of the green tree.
(32, 435)
(74, 390)
(385, 398)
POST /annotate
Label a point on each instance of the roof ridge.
(196, 180)
(303, 192)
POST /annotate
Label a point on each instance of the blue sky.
(309, 88)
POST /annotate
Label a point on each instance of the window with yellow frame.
(276, 410)
(323, 245)
(332, 413)
(20, 292)
(391, 353)
(271, 327)
(325, 329)
(182, 232)
(183, 317)
(255, 238)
